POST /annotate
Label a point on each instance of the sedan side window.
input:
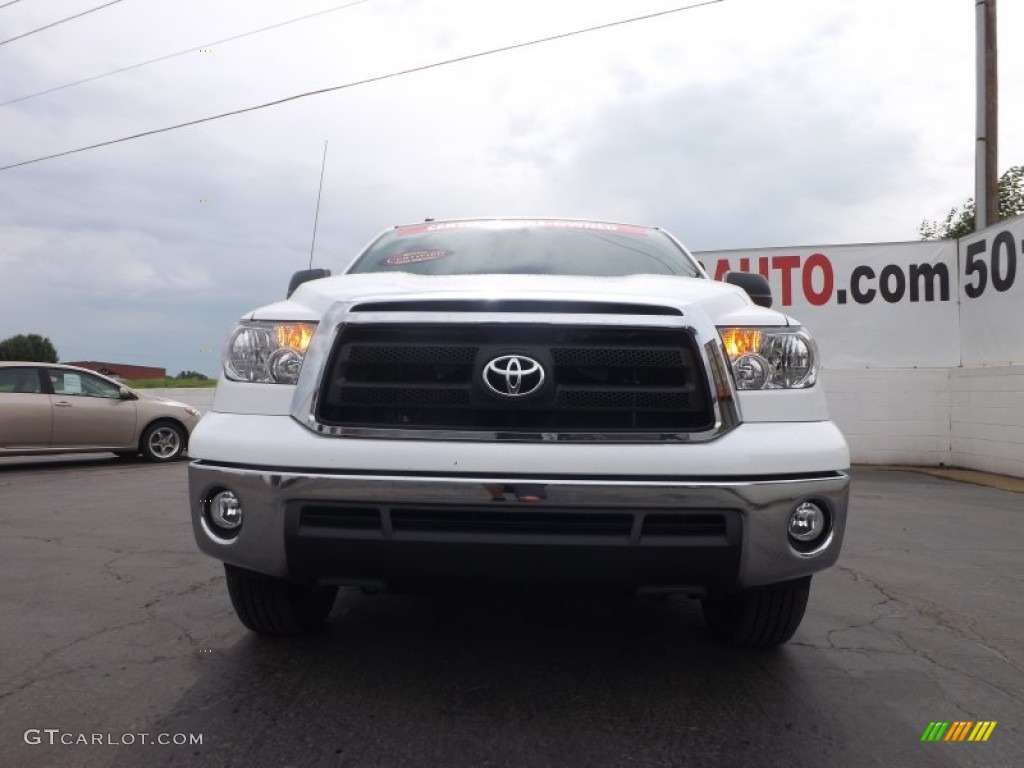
(65, 382)
(19, 381)
(82, 385)
(94, 386)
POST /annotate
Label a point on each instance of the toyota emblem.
(513, 376)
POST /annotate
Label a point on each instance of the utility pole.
(986, 150)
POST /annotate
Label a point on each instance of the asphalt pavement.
(115, 629)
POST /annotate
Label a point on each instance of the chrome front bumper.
(756, 547)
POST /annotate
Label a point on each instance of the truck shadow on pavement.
(509, 681)
(58, 462)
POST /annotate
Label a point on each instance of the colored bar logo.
(959, 730)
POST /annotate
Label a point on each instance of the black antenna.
(318, 193)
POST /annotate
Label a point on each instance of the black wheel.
(272, 606)
(758, 618)
(162, 441)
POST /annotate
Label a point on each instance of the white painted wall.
(952, 417)
(987, 418)
(892, 416)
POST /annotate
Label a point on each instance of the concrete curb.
(972, 476)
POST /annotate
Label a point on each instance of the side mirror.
(756, 286)
(127, 394)
(304, 276)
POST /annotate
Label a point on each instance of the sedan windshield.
(534, 247)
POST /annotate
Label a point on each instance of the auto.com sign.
(920, 304)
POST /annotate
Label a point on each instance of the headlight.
(267, 352)
(771, 358)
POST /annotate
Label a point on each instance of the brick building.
(122, 370)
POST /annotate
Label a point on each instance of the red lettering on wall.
(721, 268)
(817, 261)
(786, 265)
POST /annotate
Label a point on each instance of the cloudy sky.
(743, 123)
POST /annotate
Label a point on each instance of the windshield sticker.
(591, 226)
(414, 257)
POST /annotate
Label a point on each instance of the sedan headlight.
(771, 358)
(267, 352)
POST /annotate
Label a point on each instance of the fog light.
(226, 511)
(807, 523)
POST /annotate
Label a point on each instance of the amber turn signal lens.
(740, 341)
(294, 335)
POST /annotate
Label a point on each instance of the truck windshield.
(543, 247)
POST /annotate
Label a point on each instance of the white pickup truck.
(512, 403)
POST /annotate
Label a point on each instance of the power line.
(10, 3)
(180, 53)
(54, 24)
(367, 81)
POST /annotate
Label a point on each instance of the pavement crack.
(929, 611)
(108, 569)
(50, 654)
(933, 615)
(194, 587)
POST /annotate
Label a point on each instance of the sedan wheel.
(163, 442)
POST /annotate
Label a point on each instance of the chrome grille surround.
(721, 389)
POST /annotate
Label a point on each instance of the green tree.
(30, 348)
(191, 375)
(959, 222)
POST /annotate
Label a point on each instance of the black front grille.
(598, 379)
(671, 524)
(326, 519)
(427, 520)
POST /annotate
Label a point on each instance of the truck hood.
(722, 303)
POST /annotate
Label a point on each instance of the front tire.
(758, 618)
(272, 606)
(162, 441)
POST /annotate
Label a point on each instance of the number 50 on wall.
(998, 264)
